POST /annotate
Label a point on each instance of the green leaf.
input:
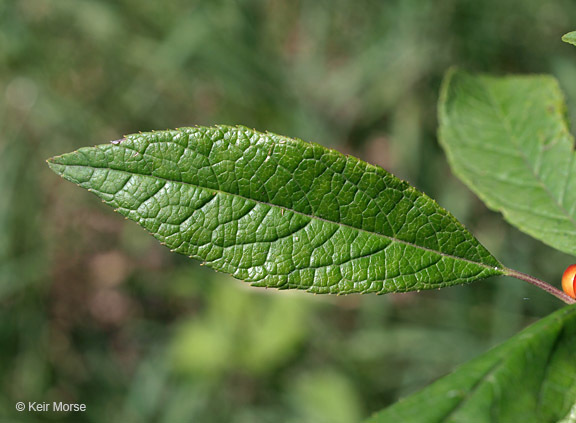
(528, 379)
(507, 139)
(570, 38)
(280, 212)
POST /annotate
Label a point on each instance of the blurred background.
(95, 311)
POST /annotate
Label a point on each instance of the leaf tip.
(570, 38)
(55, 166)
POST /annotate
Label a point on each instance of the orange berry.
(568, 280)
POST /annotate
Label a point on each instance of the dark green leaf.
(528, 379)
(280, 212)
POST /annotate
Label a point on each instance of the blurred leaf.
(324, 396)
(530, 378)
(240, 331)
(280, 212)
(507, 139)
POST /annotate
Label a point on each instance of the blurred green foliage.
(93, 311)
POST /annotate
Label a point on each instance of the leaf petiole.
(540, 284)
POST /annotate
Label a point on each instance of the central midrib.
(440, 253)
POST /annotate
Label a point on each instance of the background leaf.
(280, 212)
(529, 378)
(507, 139)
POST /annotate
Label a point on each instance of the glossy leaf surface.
(507, 139)
(528, 379)
(280, 212)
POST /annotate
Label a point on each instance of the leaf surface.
(507, 139)
(528, 379)
(280, 212)
(570, 38)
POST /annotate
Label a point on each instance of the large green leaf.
(280, 212)
(528, 379)
(507, 139)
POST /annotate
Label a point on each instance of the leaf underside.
(528, 379)
(507, 139)
(280, 212)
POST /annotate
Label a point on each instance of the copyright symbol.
(20, 406)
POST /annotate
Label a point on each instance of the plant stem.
(540, 284)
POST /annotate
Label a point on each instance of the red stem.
(540, 284)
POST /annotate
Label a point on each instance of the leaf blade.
(507, 139)
(280, 212)
(570, 38)
(529, 378)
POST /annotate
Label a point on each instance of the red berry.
(568, 281)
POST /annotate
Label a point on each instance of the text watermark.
(56, 406)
